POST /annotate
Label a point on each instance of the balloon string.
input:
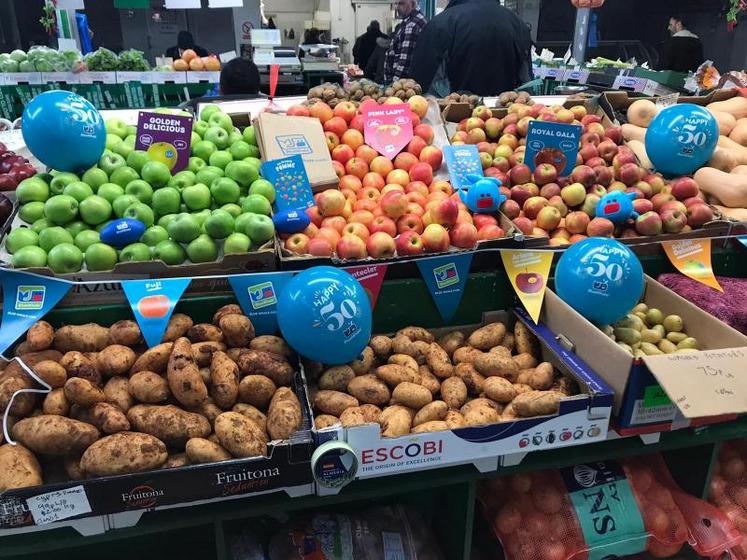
(30, 373)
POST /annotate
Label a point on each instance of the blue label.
(26, 299)
(462, 160)
(153, 302)
(257, 295)
(555, 143)
(446, 277)
(292, 187)
(291, 220)
(742, 239)
(122, 232)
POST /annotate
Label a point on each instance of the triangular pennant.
(371, 278)
(153, 302)
(446, 277)
(26, 299)
(388, 128)
(692, 257)
(257, 295)
(528, 272)
(743, 240)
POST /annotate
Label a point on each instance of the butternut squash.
(739, 214)
(641, 112)
(726, 122)
(633, 132)
(639, 149)
(737, 106)
(739, 151)
(730, 189)
(739, 132)
(739, 170)
(722, 159)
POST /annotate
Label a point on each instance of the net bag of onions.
(728, 489)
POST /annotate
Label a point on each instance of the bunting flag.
(153, 302)
(257, 295)
(692, 257)
(371, 278)
(446, 277)
(528, 272)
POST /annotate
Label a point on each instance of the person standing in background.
(365, 44)
(684, 50)
(184, 41)
(398, 61)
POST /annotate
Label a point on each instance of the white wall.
(290, 14)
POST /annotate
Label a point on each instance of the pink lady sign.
(388, 128)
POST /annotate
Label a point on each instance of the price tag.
(227, 56)
(55, 506)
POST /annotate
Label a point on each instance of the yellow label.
(528, 272)
(692, 257)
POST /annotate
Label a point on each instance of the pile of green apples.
(218, 206)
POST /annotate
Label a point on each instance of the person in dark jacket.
(239, 76)
(366, 44)
(184, 41)
(684, 50)
(375, 68)
(473, 45)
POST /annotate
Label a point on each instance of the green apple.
(33, 189)
(117, 127)
(166, 201)
(64, 258)
(201, 216)
(78, 190)
(207, 111)
(61, 209)
(140, 211)
(233, 209)
(156, 173)
(95, 210)
(21, 237)
(234, 137)
(244, 173)
(135, 252)
(86, 238)
(219, 224)
(74, 228)
(225, 190)
(137, 159)
(100, 256)
(253, 152)
(31, 211)
(131, 130)
(111, 141)
(164, 221)
(255, 161)
(217, 136)
(95, 177)
(154, 235)
(30, 256)
(60, 181)
(208, 174)
(110, 191)
(41, 224)
(195, 164)
(111, 162)
(250, 136)
(263, 187)
(221, 120)
(124, 148)
(194, 138)
(236, 243)
(199, 127)
(257, 204)
(123, 175)
(240, 149)
(220, 159)
(260, 228)
(121, 203)
(169, 252)
(197, 197)
(184, 228)
(141, 190)
(202, 249)
(203, 149)
(182, 179)
(241, 222)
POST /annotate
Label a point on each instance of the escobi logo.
(262, 295)
(30, 298)
(446, 275)
(415, 452)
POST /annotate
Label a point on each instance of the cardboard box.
(582, 419)
(616, 103)
(665, 392)
(281, 136)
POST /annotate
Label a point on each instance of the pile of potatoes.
(209, 392)
(413, 382)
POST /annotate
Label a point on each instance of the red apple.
(511, 209)
(298, 111)
(435, 238)
(331, 203)
(482, 220)
(410, 222)
(351, 247)
(320, 247)
(336, 125)
(445, 212)
(463, 236)
(321, 111)
(381, 165)
(297, 243)
(409, 243)
(381, 245)
(432, 156)
(383, 223)
(346, 110)
(416, 146)
(394, 204)
(684, 187)
(524, 225)
(330, 234)
(490, 231)
(533, 205)
(422, 172)
(698, 215)
(425, 132)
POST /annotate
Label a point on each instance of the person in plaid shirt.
(399, 55)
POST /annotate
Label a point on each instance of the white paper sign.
(225, 3)
(227, 56)
(55, 506)
(67, 45)
(182, 4)
(70, 5)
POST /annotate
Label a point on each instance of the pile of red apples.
(13, 169)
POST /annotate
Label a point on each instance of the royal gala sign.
(388, 128)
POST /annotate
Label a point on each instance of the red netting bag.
(728, 489)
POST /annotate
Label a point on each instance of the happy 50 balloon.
(64, 131)
(681, 139)
(600, 278)
(325, 315)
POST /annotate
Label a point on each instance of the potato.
(370, 412)
(284, 417)
(499, 390)
(451, 342)
(404, 360)
(202, 352)
(471, 377)
(454, 392)
(52, 373)
(272, 344)
(490, 364)
(487, 337)
(522, 388)
(416, 333)
(23, 348)
(178, 326)
(54, 435)
(72, 468)
(76, 364)
(224, 380)
(148, 387)
(23, 403)
(393, 374)
(81, 338)
(501, 351)
(257, 390)
(439, 362)
(434, 426)
(454, 419)
(106, 417)
(230, 309)
(509, 413)
(175, 461)
(126, 333)
(417, 349)
(336, 378)
(115, 359)
(479, 412)
(540, 378)
(352, 417)
(525, 361)
(117, 391)
(200, 450)
(369, 389)
(204, 332)
(83, 392)
(205, 374)
(253, 413)
(209, 410)
(55, 402)
(381, 346)
(40, 336)
(364, 362)
(333, 402)
(18, 468)
(325, 421)
(428, 380)
(154, 359)
(123, 453)
(526, 342)
(183, 375)
(412, 395)
(466, 354)
(33, 358)
(395, 421)
(237, 330)
(169, 423)
(436, 410)
(240, 436)
(537, 403)
(259, 362)
(509, 341)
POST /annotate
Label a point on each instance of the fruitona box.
(582, 419)
(661, 393)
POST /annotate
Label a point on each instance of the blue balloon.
(681, 139)
(600, 278)
(325, 315)
(64, 131)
